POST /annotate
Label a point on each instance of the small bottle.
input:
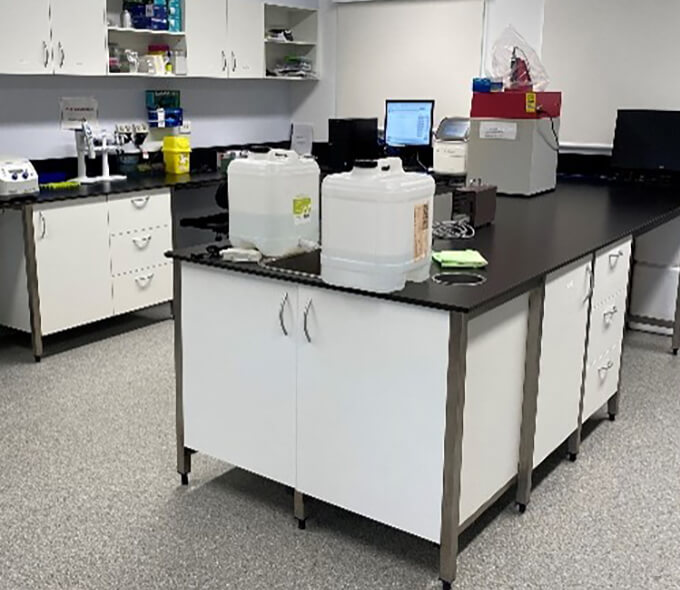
(126, 19)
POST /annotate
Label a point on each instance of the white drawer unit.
(606, 324)
(612, 267)
(145, 288)
(602, 380)
(138, 250)
(130, 213)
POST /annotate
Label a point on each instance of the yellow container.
(177, 154)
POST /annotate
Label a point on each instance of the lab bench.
(75, 256)
(420, 408)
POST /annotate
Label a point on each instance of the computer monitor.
(350, 140)
(647, 140)
(408, 123)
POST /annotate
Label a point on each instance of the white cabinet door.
(79, 37)
(239, 370)
(371, 407)
(25, 37)
(206, 31)
(74, 265)
(246, 38)
(564, 339)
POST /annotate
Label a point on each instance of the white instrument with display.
(17, 177)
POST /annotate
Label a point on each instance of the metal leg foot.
(572, 457)
(612, 417)
(300, 509)
(37, 358)
(446, 585)
(521, 508)
(185, 478)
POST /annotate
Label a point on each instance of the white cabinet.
(79, 37)
(207, 44)
(245, 32)
(371, 407)
(25, 46)
(72, 251)
(565, 318)
(239, 375)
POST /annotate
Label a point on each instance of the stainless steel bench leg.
(32, 282)
(300, 510)
(453, 448)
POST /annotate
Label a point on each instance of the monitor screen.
(647, 140)
(409, 122)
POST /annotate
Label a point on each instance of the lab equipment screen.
(409, 123)
(647, 140)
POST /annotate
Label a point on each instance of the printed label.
(302, 209)
(421, 234)
(531, 102)
(498, 130)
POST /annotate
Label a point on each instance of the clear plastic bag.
(510, 47)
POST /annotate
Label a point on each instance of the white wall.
(221, 112)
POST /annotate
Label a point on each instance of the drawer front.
(602, 381)
(137, 290)
(142, 249)
(611, 271)
(606, 325)
(139, 211)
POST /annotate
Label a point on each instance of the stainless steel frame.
(532, 365)
(32, 281)
(183, 453)
(574, 442)
(453, 447)
(300, 509)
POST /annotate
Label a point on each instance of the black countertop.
(131, 185)
(530, 238)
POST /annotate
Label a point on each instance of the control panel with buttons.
(17, 177)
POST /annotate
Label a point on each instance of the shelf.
(297, 43)
(294, 78)
(144, 75)
(145, 32)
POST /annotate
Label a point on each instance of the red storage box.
(516, 105)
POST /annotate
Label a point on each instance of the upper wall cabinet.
(79, 37)
(70, 41)
(245, 26)
(25, 46)
(207, 45)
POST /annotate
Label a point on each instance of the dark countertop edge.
(132, 185)
(512, 292)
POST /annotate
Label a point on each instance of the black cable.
(539, 110)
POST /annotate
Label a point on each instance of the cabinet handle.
(46, 54)
(591, 283)
(605, 369)
(142, 243)
(62, 55)
(140, 202)
(281, 310)
(614, 258)
(233, 61)
(305, 323)
(609, 315)
(43, 225)
(144, 282)
(224, 60)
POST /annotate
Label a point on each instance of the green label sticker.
(302, 209)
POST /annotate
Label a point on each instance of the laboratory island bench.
(419, 408)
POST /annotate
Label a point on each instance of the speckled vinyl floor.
(89, 497)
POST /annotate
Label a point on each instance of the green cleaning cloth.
(460, 259)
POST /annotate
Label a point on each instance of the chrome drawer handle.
(605, 369)
(306, 321)
(609, 315)
(62, 54)
(281, 319)
(614, 258)
(46, 54)
(142, 243)
(43, 225)
(140, 202)
(144, 282)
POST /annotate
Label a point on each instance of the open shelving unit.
(303, 23)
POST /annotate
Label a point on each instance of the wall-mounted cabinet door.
(25, 38)
(79, 37)
(245, 26)
(206, 30)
